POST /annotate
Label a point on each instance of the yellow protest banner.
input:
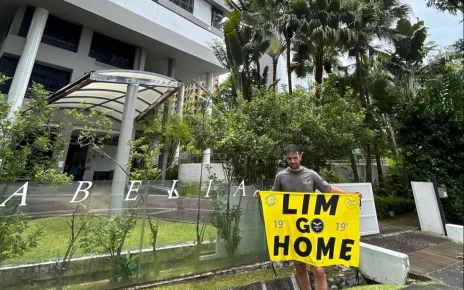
(316, 229)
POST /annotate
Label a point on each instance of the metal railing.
(111, 59)
(197, 158)
(59, 43)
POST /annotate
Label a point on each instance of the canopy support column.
(209, 86)
(123, 153)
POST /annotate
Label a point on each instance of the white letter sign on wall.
(131, 189)
(86, 190)
(17, 193)
(209, 187)
(242, 186)
(173, 190)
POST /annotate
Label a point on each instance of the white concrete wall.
(345, 171)
(455, 232)
(170, 20)
(202, 10)
(190, 172)
(98, 162)
(382, 265)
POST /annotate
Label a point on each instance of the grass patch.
(54, 240)
(229, 281)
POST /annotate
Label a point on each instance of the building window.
(51, 78)
(111, 51)
(62, 34)
(27, 20)
(216, 18)
(7, 68)
(184, 4)
(57, 32)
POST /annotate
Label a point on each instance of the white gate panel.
(369, 224)
(427, 207)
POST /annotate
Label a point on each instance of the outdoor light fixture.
(442, 191)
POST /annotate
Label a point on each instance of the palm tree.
(275, 50)
(410, 51)
(241, 51)
(362, 22)
(290, 16)
(316, 41)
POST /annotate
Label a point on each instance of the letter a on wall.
(316, 229)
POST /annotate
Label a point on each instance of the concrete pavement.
(431, 256)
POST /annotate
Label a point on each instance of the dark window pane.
(7, 67)
(62, 34)
(185, 4)
(216, 18)
(51, 78)
(26, 23)
(111, 51)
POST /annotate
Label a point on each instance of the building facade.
(55, 42)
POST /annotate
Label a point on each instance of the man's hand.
(256, 194)
(359, 193)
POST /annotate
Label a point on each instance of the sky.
(444, 28)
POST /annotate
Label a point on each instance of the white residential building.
(57, 42)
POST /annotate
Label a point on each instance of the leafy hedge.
(431, 135)
(398, 205)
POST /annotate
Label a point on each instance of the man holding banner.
(309, 228)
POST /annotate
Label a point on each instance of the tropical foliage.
(396, 95)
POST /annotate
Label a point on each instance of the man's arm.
(336, 189)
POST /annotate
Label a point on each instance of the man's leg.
(319, 278)
(302, 276)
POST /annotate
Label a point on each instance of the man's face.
(293, 160)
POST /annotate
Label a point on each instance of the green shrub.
(172, 174)
(398, 205)
(191, 190)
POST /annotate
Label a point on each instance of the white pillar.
(179, 111)
(171, 73)
(26, 61)
(139, 59)
(122, 154)
(209, 86)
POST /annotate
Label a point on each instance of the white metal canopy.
(106, 89)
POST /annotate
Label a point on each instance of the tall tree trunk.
(405, 175)
(274, 68)
(318, 75)
(391, 135)
(360, 80)
(354, 168)
(379, 162)
(368, 162)
(362, 98)
(258, 68)
(289, 62)
(275, 61)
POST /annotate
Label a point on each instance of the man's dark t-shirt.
(305, 180)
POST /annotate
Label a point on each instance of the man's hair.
(291, 148)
